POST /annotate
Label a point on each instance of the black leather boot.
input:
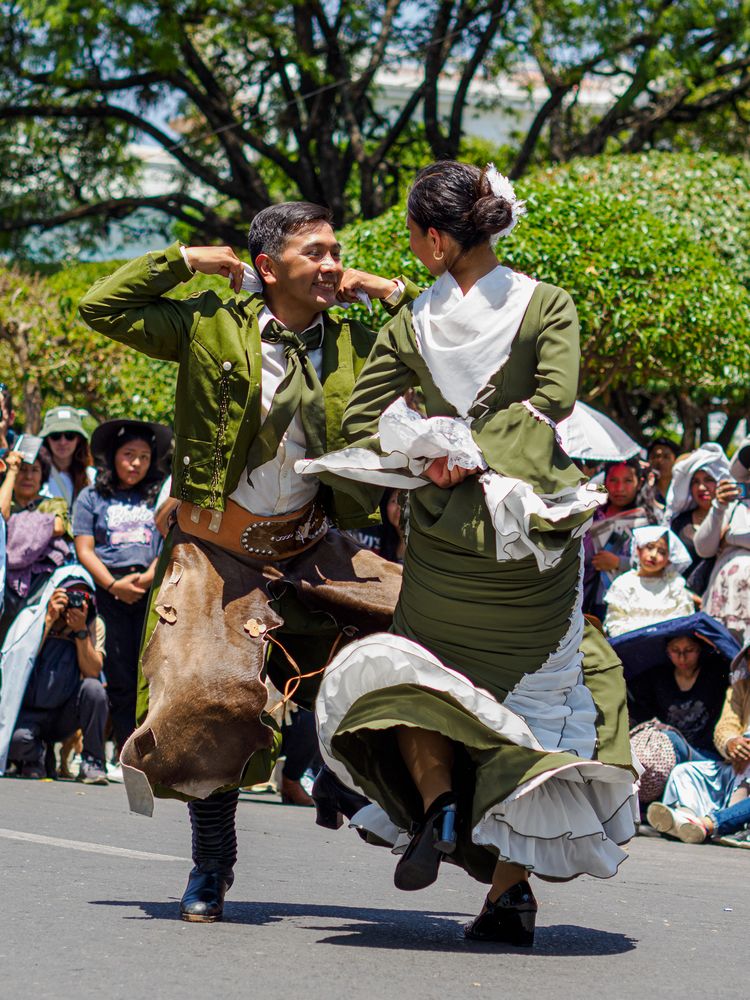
(511, 919)
(333, 800)
(214, 854)
(432, 839)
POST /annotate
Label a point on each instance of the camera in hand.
(743, 489)
(76, 599)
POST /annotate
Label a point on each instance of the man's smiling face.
(308, 272)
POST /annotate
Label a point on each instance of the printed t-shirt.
(122, 526)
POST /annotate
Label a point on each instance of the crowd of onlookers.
(666, 576)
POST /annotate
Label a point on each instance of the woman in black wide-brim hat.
(117, 541)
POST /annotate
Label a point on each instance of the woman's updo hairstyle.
(456, 198)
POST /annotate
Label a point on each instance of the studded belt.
(237, 530)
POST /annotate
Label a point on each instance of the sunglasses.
(58, 435)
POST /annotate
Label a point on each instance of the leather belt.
(237, 530)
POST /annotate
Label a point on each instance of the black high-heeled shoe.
(433, 839)
(511, 919)
(333, 800)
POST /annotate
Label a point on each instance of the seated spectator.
(709, 800)
(8, 436)
(38, 532)
(685, 693)
(607, 544)
(654, 591)
(725, 534)
(51, 664)
(118, 542)
(662, 455)
(693, 489)
(67, 444)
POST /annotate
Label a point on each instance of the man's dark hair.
(272, 227)
(665, 443)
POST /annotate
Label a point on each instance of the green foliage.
(655, 251)
(644, 245)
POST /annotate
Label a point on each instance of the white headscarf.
(679, 557)
(709, 457)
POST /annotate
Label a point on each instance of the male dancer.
(253, 575)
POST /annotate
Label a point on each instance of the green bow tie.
(300, 389)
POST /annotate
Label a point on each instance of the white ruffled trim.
(538, 415)
(411, 442)
(512, 502)
(562, 823)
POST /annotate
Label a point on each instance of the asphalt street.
(89, 909)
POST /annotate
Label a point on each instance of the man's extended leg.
(214, 855)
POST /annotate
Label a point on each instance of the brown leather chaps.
(223, 619)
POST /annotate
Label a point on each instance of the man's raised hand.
(217, 260)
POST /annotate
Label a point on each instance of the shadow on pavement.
(404, 930)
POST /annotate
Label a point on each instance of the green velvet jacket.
(217, 345)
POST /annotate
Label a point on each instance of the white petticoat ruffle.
(410, 442)
(563, 823)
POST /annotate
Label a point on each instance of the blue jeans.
(685, 751)
(731, 819)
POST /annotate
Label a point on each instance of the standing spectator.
(607, 545)
(662, 455)
(725, 533)
(8, 436)
(118, 542)
(68, 444)
(740, 469)
(694, 481)
(64, 691)
(654, 591)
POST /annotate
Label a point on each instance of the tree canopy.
(654, 249)
(256, 101)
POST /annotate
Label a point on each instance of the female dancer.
(491, 722)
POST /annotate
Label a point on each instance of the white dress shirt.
(276, 487)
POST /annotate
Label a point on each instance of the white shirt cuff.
(183, 251)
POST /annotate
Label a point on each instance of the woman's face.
(393, 511)
(622, 486)
(62, 444)
(132, 461)
(654, 557)
(424, 246)
(28, 482)
(702, 489)
(684, 653)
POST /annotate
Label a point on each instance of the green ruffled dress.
(493, 654)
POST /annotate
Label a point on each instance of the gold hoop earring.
(440, 257)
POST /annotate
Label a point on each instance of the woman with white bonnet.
(653, 591)
(477, 722)
(692, 491)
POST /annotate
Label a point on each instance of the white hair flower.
(501, 187)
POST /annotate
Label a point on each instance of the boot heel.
(327, 815)
(446, 839)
